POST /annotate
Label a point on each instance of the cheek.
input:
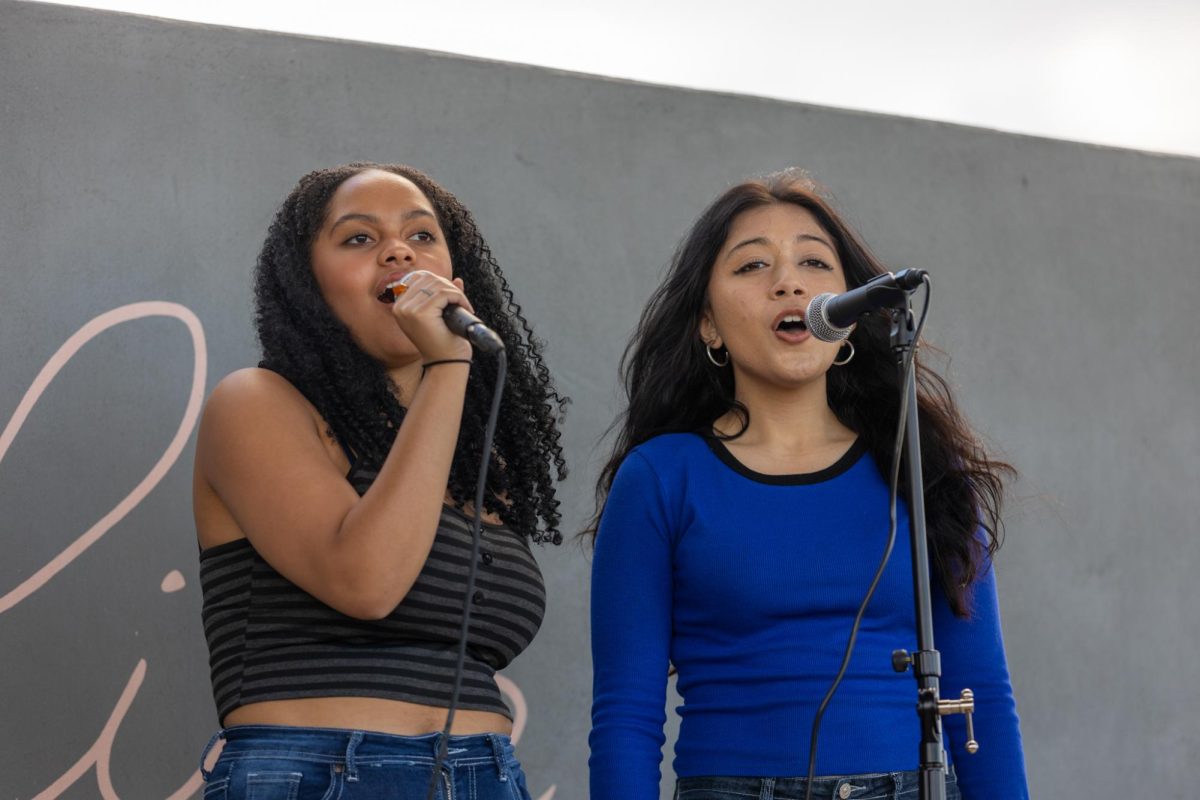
(733, 314)
(446, 264)
(722, 306)
(335, 281)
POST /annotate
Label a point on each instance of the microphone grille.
(818, 324)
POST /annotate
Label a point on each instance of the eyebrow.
(374, 220)
(802, 237)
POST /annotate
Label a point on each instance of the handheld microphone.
(460, 321)
(465, 324)
(830, 317)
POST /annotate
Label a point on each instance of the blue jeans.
(270, 762)
(876, 786)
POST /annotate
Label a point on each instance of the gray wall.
(141, 160)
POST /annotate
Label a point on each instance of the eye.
(816, 263)
(749, 266)
(424, 236)
(358, 238)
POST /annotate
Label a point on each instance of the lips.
(790, 327)
(383, 292)
(789, 321)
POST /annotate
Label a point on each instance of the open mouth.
(793, 322)
(387, 296)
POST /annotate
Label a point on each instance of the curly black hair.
(304, 341)
(672, 387)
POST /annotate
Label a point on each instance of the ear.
(708, 332)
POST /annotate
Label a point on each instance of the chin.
(803, 375)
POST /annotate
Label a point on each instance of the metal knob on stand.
(965, 704)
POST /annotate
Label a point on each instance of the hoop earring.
(845, 360)
(708, 351)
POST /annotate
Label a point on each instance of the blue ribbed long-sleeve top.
(748, 584)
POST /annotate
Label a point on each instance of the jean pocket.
(273, 785)
(718, 787)
(216, 790)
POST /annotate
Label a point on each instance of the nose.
(788, 284)
(397, 252)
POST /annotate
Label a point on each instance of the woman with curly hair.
(742, 516)
(333, 495)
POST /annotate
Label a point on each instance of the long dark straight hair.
(672, 387)
(306, 343)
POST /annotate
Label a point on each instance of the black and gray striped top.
(268, 639)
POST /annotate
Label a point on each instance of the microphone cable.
(908, 373)
(476, 533)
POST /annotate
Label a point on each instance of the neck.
(793, 419)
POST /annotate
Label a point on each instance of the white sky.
(1114, 72)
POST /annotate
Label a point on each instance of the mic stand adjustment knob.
(964, 705)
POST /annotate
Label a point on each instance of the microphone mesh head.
(818, 324)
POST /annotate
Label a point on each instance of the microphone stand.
(926, 662)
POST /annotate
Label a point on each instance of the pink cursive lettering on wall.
(99, 755)
(84, 335)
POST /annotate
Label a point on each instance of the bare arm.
(260, 450)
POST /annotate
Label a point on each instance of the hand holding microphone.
(459, 320)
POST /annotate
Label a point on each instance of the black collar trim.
(848, 460)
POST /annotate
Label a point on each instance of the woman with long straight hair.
(333, 494)
(742, 515)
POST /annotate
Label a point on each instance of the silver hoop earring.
(708, 351)
(845, 360)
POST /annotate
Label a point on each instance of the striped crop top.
(268, 639)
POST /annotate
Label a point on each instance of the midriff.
(367, 714)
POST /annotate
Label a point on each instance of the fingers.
(421, 298)
(419, 288)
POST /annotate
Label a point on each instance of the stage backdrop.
(141, 161)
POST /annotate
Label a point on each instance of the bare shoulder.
(249, 415)
(253, 387)
(259, 438)
(252, 410)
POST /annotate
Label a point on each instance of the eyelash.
(351, 240)
(814, 261)
(747, 267)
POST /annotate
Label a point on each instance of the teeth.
(792, 322)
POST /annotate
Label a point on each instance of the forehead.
(376, 189)
(774, 221)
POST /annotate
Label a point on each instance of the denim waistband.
(841, 787)
(351, 748)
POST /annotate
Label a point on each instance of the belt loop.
(498, 755)
(219, 735)
(767, 792)
(356, 738)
